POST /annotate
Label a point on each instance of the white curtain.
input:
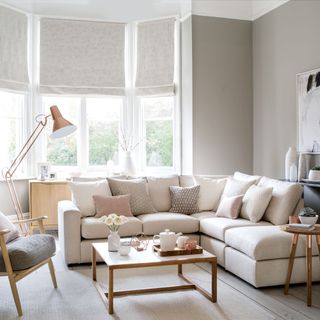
(155, 57)
(13, 50)
(81, 57)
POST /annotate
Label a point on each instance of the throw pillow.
(235, 187)
(5, 223)
(184, 200)
(255, 202)
(210, 192)
(140, 200)
(159, 191)
(246, 177)
(229, 207)
(285, 197)
(82, 193)
(117, 204)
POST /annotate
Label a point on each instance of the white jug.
(167, 239)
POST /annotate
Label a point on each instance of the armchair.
(23, 255)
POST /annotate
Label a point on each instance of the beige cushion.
(285, 196)
(177, 222)
(116, 204)
(203, 215)
(83, 192)
(159, 191)
(140, 200)
(255, 202)
(210, 192)
(235, 188)
(230, 207)
(5, 223)
(184, 200)
(94, 228)
(216, 227)
(264, 242)
(186, 181)
(246, 177)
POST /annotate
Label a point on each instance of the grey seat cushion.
(26, 252)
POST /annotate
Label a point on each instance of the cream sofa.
(256, 252)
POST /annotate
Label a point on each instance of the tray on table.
(177, 251)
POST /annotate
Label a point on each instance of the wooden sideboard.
(44, 197)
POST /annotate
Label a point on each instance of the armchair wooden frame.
(15, 276)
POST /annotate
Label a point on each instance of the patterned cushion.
(184, 200)
(140, 200)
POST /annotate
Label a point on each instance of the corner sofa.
(257, 252)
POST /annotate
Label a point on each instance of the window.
(158, 123)
(11, 124)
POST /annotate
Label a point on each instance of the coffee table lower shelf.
(108, 297)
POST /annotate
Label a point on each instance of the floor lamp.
(61, 128)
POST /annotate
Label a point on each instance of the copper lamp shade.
(61, 126)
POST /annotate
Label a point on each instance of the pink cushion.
(230, 207)
(117, 204)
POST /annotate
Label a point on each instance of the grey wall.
(285, 42)
(222, 95)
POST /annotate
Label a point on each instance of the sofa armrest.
(69, 228)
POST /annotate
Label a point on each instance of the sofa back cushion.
(285, 196)
(210, 192)
(186, 181)
(255, 202)
(5, 223)
(159, 191)
(83, 192)
(117, 204)
(229, 207)
(184, 200)
(140, 201)
(236, 187)
(246, 177)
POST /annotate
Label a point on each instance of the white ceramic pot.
(314, 175)
(113, 241)
(308, 220)
(291, 158)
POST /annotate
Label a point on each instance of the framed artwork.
(308, 100)
(43, 170)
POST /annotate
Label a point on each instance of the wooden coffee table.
(294, 243)
(148, 258)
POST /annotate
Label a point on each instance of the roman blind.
(13, 50)
(155, 57)
(81, 57)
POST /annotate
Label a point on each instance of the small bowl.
(124, 248)
(308, 220)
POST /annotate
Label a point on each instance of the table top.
(315, 231)
(146, 258)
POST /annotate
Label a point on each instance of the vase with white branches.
(128, 145)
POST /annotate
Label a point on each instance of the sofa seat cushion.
(177, 222)
(26, 252)
(264, 242)
(94, 228)
(216, 227)
(204, 215)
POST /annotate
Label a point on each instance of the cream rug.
(77, 298)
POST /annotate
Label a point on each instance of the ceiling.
(130, 10)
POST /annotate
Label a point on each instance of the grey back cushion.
(26, 252)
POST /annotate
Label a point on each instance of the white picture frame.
(43, 170)
(308, 102)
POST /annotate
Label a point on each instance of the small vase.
(291, 158)
(113, 241)
(128, 165)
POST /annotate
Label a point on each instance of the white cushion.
(82, 193)
(94, 228)
(246, 177)
(186, 181)
(210, 192)
(285, 196)
(5, 223)
(255, 202)
(264, 242)
(159, 191)
(203, 215)
(216, 227)
(177, 222)
(235, 187)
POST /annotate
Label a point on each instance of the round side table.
(296, 233)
